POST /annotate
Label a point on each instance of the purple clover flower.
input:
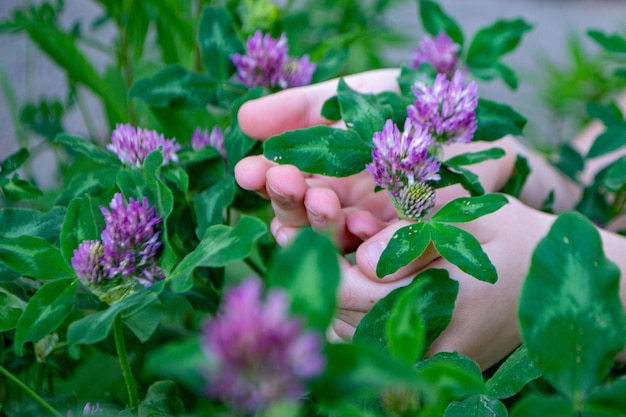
(447, 109)
(264, 356)
(402, 166)
(439, 51)
(86, 262)
(131, 241)
(266, 64)
(202, 138)
(132, 145)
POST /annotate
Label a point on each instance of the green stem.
(131, 385)
(30, 392)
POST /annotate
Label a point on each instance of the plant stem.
(30, 392)
(120, 346)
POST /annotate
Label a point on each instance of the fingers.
(297, 108)
(250, 173)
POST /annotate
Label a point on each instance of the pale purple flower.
(88, 410)
(401, 165)
(296, 72)
(267, 64)
(439, 51)
(86, 262)
(447, 109)
(263, 355)
(131, 241)
(202, 138)
(132, 145)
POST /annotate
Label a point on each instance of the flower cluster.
(132, 145)
(202, 138)
(440, 51)
(263, 355)
(267, 64)
(125, 255)
(402, 166)
(447, 108)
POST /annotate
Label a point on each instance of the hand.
(484, 323)
(347, 206)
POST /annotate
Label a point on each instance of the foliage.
(64, 348)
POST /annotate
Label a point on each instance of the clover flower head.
(131, 241)
(88, 410)
(439, 51)
(267, 64)
(447, 109)
(202, 138)
(401, 158)
(86, 262)
(132, 145)
(264, 355)
(296, 72)
(414, 201)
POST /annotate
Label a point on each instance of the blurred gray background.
(29, 76)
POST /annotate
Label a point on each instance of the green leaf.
(362, 112)
(496, 40)
(613, 138)
(11, 308)
(209, 205)
(406, 245)
(458, 175)
(496, 120)
(571, 316)
(83, 221)
(406, 329)
(434, 305)
(408, 78)
(220, 246)
(607, 399)
(569, 161)
(466, 209)
(320, 150)
(98, 183)
(45, 312)
(14, 161)
(435, 20)
(512, 375)
(15, 222)
(87, 148)
(608, 113)
(463, 250)
(615, 43)
(175, 86)
(614, 177)
(217, 39)
(357, 372)
(17, 189)
(238, 144)
(331, 109)
(140, 311)
(162, 398)
(189, 358)
(518, 177)
(539, 405)
(309, 270)
(34, 257)
(478, 405)
(472, 158)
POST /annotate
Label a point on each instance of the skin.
(484, 323)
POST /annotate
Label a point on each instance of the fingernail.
(315, 217)
(372, 252)
(281, 238)
(283, 200)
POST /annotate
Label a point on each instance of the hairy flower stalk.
(125, 258)
(446, 109)
(202, 138)
(132, 145)
(401, 165)
(264, 356)
(439, 51)
(267, 64)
